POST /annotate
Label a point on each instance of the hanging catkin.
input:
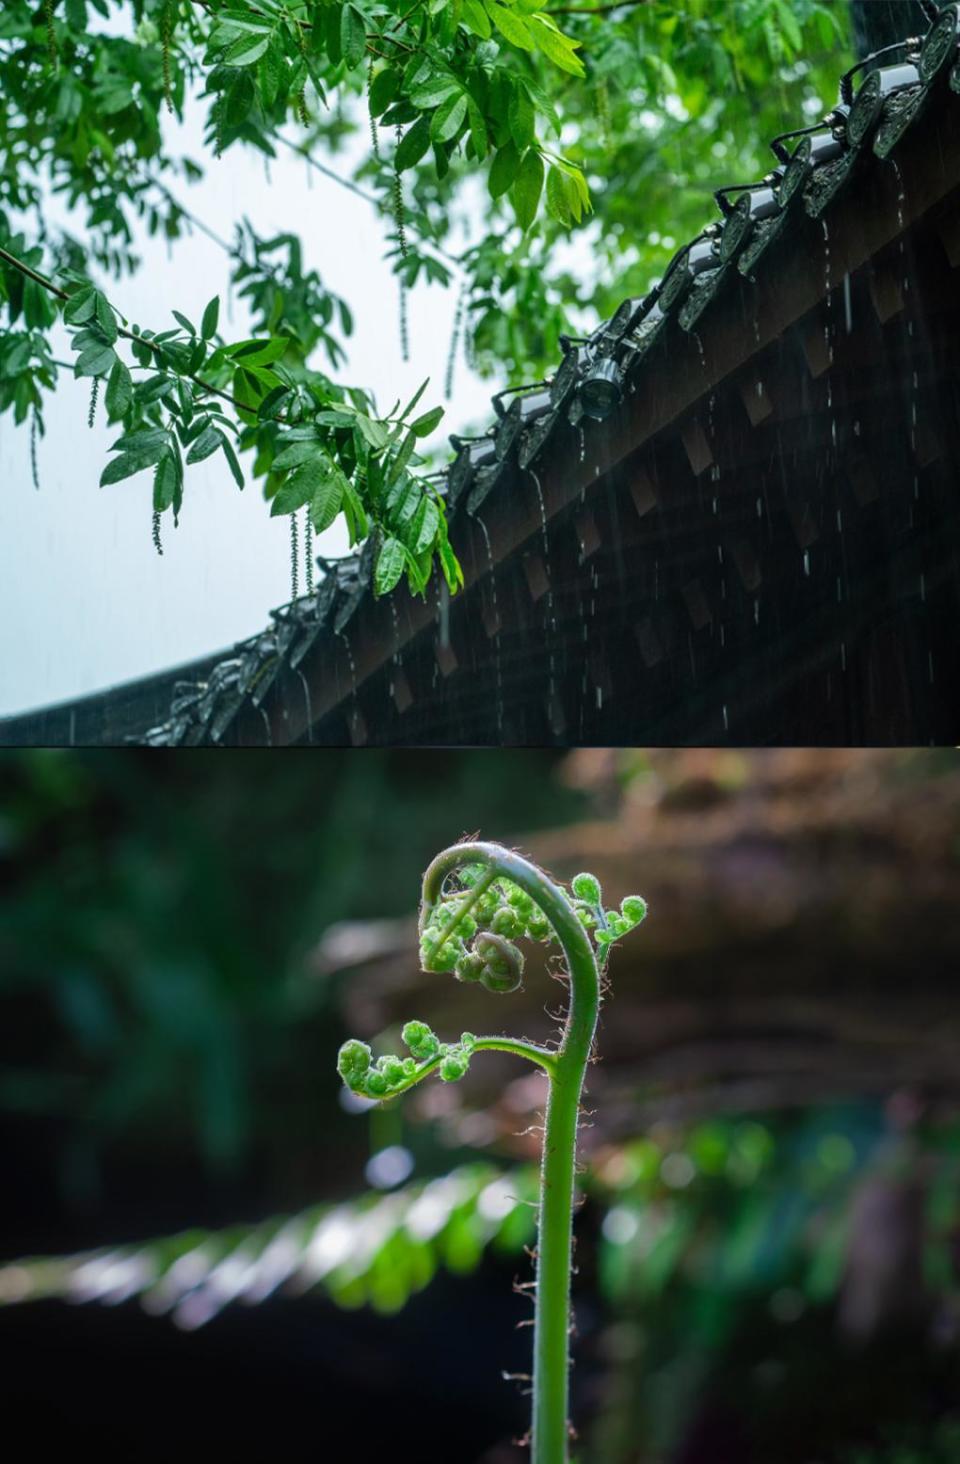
(454, 341)
(399, 216)
(308, 551)
(53, 50)
(294, 558)
(34, 429)
(165, 41)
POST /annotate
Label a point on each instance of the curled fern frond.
(477, 900)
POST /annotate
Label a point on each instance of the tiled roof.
(816, 169)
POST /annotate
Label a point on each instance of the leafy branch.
(320, 447)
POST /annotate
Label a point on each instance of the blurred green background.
(200, 1234)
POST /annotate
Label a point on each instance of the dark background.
(769, 1243)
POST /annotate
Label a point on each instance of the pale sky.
(85, 602)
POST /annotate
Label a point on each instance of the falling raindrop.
(496, 638)
(266, 723)
(306, 697)
(806, 562)
(353, 669)
(726, 719)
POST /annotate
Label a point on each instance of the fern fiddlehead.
(478, 899)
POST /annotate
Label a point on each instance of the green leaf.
(503, 169)
(298, 489)
(246, 50)
(328, 496)
(413, 144)
(353, 35)
(558, 205)
(478, 129)
(790, 25)
(424, 425)
(521, 117)
(204, 445)
(390, 565)
(474, 17)
(164, 483)
(429, 522)
(105, 318)
(211, 315)
(434, 91)
(138, 450)
(452, 570)
(448, 119)
(372, 431)
(556, 46)
(294, 454)
(384, 89)
(188, 325)
(525, 193)
(95, 361)
(510, 26)
(81, 306)
(231, 458)
(121, 467)
(414, 399)
(119, 389)
(238, 99)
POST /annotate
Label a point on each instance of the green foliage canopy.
(614, 121)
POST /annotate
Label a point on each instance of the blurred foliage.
(943, 1447)
(376, 1251)
(721, 1250)
(156, 918)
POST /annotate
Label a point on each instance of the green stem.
(551, 1344)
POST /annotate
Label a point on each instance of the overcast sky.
(85, 600)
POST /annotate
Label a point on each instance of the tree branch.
(128, 335)
(594, 9)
